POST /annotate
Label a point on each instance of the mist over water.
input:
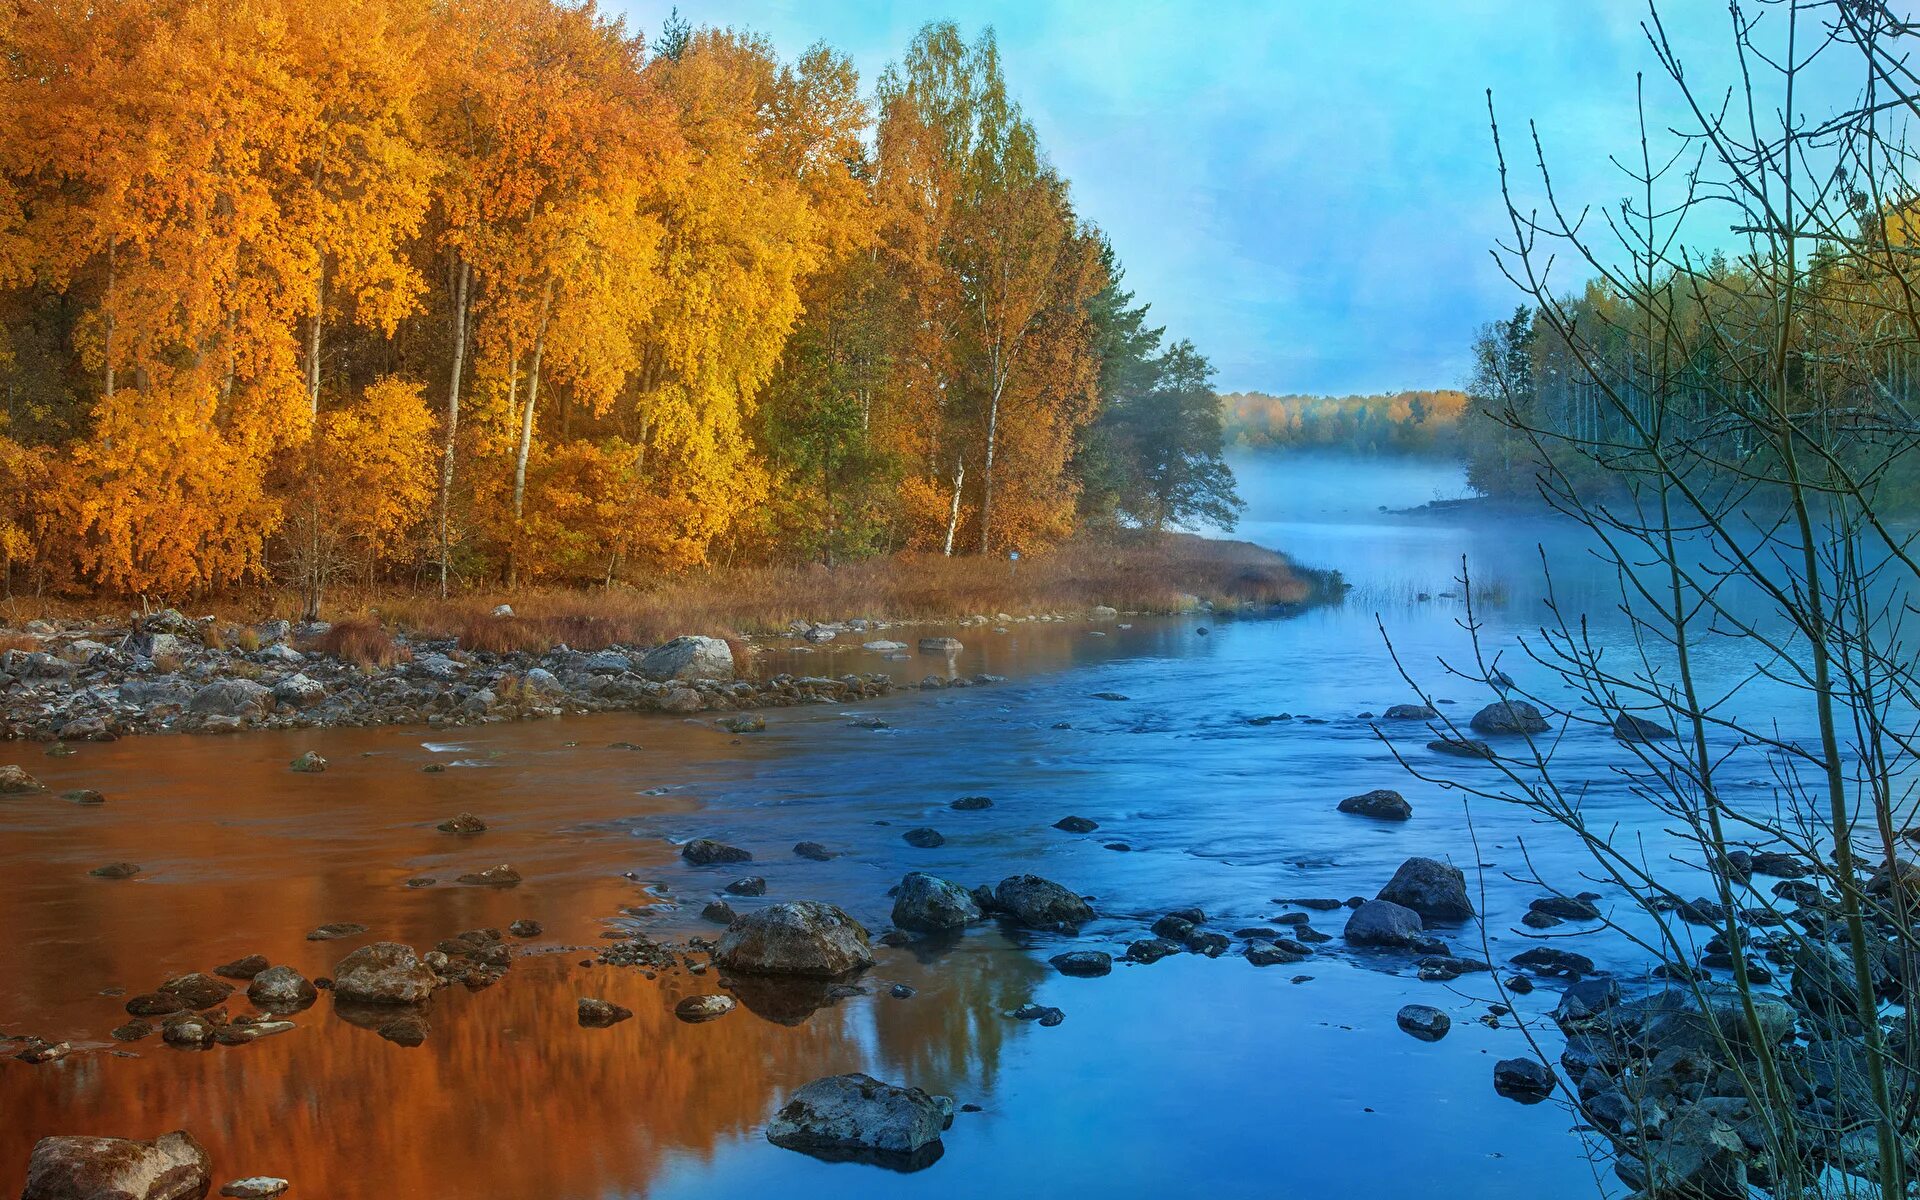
(1188, 1076)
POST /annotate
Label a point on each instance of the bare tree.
(1728, 433)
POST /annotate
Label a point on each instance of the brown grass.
(1137, 575)
(18, 641)
(1134, 574)
(363, 641)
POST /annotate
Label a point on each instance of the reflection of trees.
(509, 1096)
(956, 1035)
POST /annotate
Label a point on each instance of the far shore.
(82, 673)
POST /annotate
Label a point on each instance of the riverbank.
(695, 645)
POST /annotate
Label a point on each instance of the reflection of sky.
(1305, 189)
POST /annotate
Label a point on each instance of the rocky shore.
(76, 681)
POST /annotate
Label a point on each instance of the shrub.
(362, 641)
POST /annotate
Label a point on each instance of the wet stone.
(923, 838)
(336, 929)
(812, 851)
(598, 1014)
(243, 968)
(1423, 1021)
(115, 870)
(502, 875)
(1076, 825)
(703, 852)
(695, 1009)
(1083, 963)
(750, 885)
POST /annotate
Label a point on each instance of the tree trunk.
(986, 484)
(112, 243)
(462, 275)
(526, 436)
(953, 516)
(313, 345)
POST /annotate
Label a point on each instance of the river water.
(1189, 1076)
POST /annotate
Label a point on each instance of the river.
(1189, 1076)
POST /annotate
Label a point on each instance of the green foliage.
(1154, 456)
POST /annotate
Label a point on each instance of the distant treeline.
(1426, 422)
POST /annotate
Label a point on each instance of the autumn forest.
(442, 293)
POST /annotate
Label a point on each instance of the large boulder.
(1041, 903)
(383, 973)
(1431, 888)
(1384, 923)
(858, 1117)
(170, 1167)
(232, 698)
(1509, 716)
(806, 937)
(688, 658)
(930, 904)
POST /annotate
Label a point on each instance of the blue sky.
(1305, 188)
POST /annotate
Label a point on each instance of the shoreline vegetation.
(512, 294)
(78, 672)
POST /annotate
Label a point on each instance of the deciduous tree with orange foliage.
(294, 291)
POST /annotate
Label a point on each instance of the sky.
(1304, 188)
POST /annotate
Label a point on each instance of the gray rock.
(383, 973)
(1523, 1078)
(1083, 963)
(1275, 952)
(703, 852)
(1410, 712)
(858, 1117)
(232, 698)
(281, 987)
(255, 1187)
(688, 658)
(929, 904)
(941, 645)
(1041, 904)
(1509, 716)
(1381, 803)
(806, 937)
(172, 1166)
(1629, 728)
(151, 693)
(1384, 923)
(1423, 1021)
(1698, 1156)
(924, 838)
(298, 691)
(1431, 888)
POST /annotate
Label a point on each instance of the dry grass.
(18, 641)
(1143, 575)
(363, 641)
(1134, 574)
